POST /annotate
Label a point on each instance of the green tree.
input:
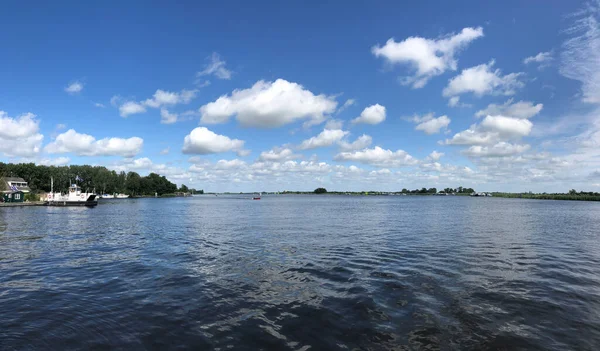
(320, 191)
(184, 188)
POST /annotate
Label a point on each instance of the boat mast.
(52, 186)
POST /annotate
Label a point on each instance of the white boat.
(107, 196)
(121, 196)
(75, 197)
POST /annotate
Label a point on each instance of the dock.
(21, 204)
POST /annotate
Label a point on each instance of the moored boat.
(256, 196)
(75, 197)
(121, 196)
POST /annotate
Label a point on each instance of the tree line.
(459, 190)
(90, 178)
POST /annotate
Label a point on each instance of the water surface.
(302, 272)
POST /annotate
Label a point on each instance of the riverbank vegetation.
(90, 178)
(572, 195)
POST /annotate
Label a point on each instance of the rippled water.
(302, 272)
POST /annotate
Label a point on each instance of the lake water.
(302, 272)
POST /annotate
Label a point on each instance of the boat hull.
(71, 203)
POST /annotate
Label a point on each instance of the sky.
(295, 95)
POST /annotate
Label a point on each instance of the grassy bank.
(571, 197)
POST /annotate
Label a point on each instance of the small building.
(13, 196)
(14, 184)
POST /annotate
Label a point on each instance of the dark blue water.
(302, 272)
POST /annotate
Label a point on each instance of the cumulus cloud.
(202, 141)
(59, 161)
(430, 124)
(483, 80)
(428, 57)
(378, 157)
(580, 56)
(167, 117)
(454, 101)
(163, 98)
(97, 104)
(491, 130)
(20, 136)
(326, 138)
(361, 142)
(269, 105)
(74, 88)
(521, 109)
(165, 151)
(334, 124)
(86, 145)
(543, 59)
(500, 149)
(373, 114)
(131, 108)
(506, 126)
(278, 155)
(435, 156)
(215, 67)
(160, 99)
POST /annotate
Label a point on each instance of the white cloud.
(373, 114)
(115, 100)
(215, 67)
(506, 126)
(269, 105)
(431, 125)
(165, 151)
(435, 156)
(428, 57)
(500, 149)
(145, 165)
(160, 99)
(378, 157)
(86, 145)
(334, 124)
(326, 138)
(361, 142)
(580, 57)
(97, 104)
(348, 103)
(166, 117)
(203, 141)
(491, 130)
(453, 101)
(543, 58)
(482, 80)
(74, 88)
(278, 155)
(163, 98)
(521, 109)
(131, 108)
(20, 136)
(59, 161)
(17, 128)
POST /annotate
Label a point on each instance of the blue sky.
(240, 96)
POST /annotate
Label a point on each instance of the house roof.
(14, 179)
(4, 184)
